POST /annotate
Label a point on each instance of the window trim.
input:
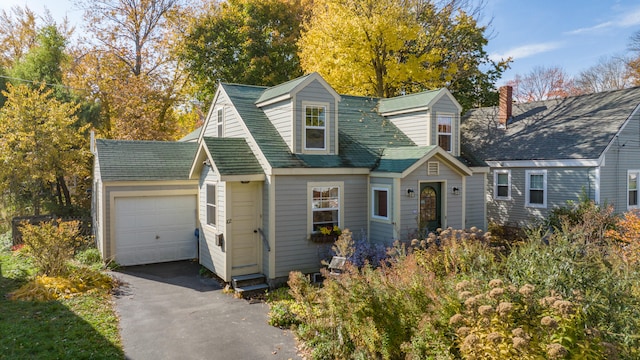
(310, 210)
(637, 206)
(528, 189)
(451, 117)
(327, 128)
(496, 174)
(386, 189)
(210, 204)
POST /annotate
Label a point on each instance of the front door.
(430, 207)
(244, 222)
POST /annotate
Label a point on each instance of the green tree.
(244, 41)
(41, 147)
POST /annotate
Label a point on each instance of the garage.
(155, 229)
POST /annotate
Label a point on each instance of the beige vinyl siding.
(623, 155)
(293, 250)
(381, 231)
(452, 204)
(212, 257)
(563, 183)
(415, 125)
(315, 92)
(475, 214)
(281, 116)
(446, 106)
(108, 236)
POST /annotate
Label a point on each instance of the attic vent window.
(433, 168)
(220, 122)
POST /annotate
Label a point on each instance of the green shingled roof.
(126, 160)
(192, 136)
(232, 156)
(281, 89)
(363, 132)
(406, 102)
(400, 159)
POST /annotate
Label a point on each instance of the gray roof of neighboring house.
(578, 127)
(128, 160)
(363, 132)
(232, 156)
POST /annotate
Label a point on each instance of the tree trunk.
(62, 184)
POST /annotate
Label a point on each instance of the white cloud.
(629, 19)
(525, 51)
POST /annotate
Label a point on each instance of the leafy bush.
(51, 244)
(89, 257)
(5, 241)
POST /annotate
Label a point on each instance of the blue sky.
(571, 34)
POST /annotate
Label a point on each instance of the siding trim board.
(546, 163)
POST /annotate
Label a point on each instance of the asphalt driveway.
(168, 311)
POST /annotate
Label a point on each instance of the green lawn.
(83, 327)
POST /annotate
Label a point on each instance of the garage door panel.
(155, 229)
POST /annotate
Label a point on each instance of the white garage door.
(155, 229)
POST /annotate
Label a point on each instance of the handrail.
(264, 240)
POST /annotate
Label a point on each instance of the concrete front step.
(243, 281)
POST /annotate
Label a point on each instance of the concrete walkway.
(168, 311)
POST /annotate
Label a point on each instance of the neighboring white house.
(271, 166)
(544, 153)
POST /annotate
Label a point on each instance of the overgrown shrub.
(364, 313)
(51, 244)
(454, 252)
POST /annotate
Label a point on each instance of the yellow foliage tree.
(363, 47)
(41, 146)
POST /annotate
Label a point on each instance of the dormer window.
(315, 127)
(445, 123)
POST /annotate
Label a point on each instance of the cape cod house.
(544, 153)
(273, 166)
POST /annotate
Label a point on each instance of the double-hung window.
(212, 206)
(325, 207)
(632, 188)
(380, 203)
(445, 125)
(536, 188)
(502, 184)
(315, 118)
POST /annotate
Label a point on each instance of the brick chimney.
(506, 102)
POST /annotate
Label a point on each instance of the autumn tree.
(18, 31)
(633, 64)
(386, 48)
(130, 68)
(244, 41)
(542, 83)
(610, 73)
(41, 147)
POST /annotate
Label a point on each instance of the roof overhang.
(545, 163)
